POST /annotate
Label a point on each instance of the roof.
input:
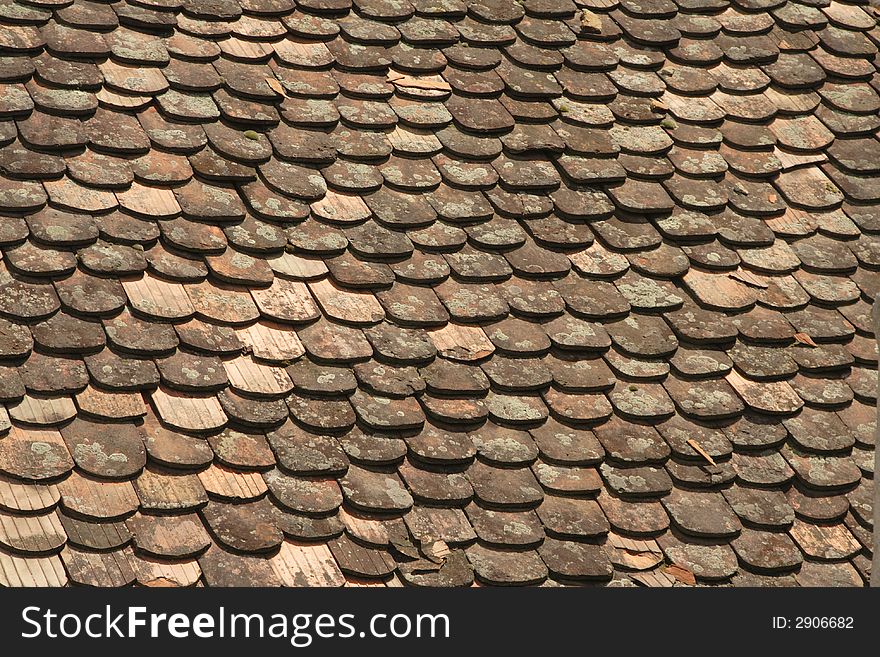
(424, 292)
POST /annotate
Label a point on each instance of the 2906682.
(823, 623)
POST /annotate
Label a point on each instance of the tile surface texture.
(438, 292)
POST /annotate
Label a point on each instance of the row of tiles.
(837, 25)
(830, 528)
(825, 451)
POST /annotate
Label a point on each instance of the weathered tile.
(374, 491)
(702, 514)
(188, 413)
(222, 568)
(95, 499)
(112, 451)
(506, 568)
(360, 561)
(301, 564)
(102, 569)
(247, 527)
(40, 411)
(164, 491)
(642, 519)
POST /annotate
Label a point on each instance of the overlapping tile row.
(435, 293)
